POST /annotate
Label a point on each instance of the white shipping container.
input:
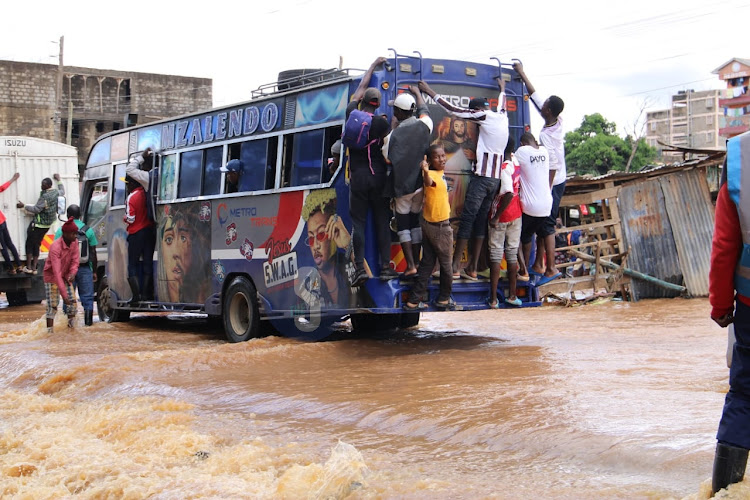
(34, 159)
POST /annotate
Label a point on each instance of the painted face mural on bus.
(327, 237)
(184, 270)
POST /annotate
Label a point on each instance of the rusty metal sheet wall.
(648, 236)
(691, 214)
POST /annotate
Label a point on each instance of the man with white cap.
(233, 171)
(405, 148)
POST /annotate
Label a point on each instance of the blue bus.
(246, 258)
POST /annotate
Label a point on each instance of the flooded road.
(614, 400)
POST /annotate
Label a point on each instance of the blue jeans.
(734, 427)
(477, 202)
(84, 282)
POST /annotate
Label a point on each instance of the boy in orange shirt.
(437, 235)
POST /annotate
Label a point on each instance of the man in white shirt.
(553, 138)
(536, 196)
(493, 137)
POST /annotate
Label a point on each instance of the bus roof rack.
(296, 78)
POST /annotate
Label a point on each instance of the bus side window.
(168, 179)
(118, 186)
(253, 155)
(190, 174)
(96, 207)
(212, 172)
(307, 158)
(332, 135)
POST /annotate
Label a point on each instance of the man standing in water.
(729, 295)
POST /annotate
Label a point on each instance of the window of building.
(653, 126)
(709, 137)
(709, 119)
(709, 102)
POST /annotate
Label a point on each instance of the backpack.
(83, 245)
(357, 130)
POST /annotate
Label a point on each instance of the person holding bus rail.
(141, 240)
(367, 182)
(493, 137)
(45, 213)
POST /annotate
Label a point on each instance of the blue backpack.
(357, 130)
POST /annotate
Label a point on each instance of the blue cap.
(233, 166)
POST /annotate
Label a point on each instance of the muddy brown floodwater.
(611, 400)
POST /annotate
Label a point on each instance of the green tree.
(594, 148)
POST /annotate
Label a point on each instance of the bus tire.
(241, 312)
(409, 319)
(107, 313)
(16, 298)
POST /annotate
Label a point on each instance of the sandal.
(449, 305)
(467, 276)
(496, 305)
(12, 270)
(419, 307)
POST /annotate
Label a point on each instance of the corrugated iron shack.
(658, 222)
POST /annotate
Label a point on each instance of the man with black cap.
(405, 148)
(493, 137)
(59, 272)
(233, 172)
(367, 182)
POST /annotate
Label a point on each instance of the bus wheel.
(241, 315)
(16, 298)
(107, 312)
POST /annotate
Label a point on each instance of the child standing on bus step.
(535, 195)
(505, 228)
(437, 234)
(45, 213)
(6, 243)
(367, 182)
(141, 240)
(86, 274)
(59, 272)
(493, 137)
(404, 148)
(553, 138)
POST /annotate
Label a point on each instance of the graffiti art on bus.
(459, 140)
(183, 242)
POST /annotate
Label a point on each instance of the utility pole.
(58, 93)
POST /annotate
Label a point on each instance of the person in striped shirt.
(493, 137)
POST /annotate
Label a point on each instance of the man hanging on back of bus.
(6, 243)
(141, 240)
(367, 178)
(493, 137)
(45, 213)
(86, 275)
(552, 137)
(59, 272)
(404, 148)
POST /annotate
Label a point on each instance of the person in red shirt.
(6, 243)
(505, 228)
(729, 295)
(59, 272)
(141, 240)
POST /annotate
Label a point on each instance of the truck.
(33, 159)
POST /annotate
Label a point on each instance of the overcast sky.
(598, 56)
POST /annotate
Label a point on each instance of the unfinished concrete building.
(80, 104)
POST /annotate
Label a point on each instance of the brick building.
(691, 122)
(94, 101)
